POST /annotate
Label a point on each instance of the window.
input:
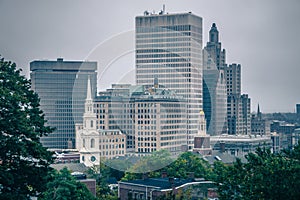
(83, 143)
(93, 159)
(92, 123)
(92, 143)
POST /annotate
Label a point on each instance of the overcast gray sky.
(263, 36)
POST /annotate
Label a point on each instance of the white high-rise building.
(169, 48)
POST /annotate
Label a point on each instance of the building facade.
(214, 84)
(169, 48)
(260, 126)
(93, 143)
(61, 88)
(238, 105)
(240, 145)
(298, 110)
(202, 140)
(152, 118)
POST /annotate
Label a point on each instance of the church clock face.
(93, 159)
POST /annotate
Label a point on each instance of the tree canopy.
(264, 176)
(24, 162)
(64, 186)
(185, 164)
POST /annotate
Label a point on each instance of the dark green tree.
(24, 162)
(64, 186)
(264, 176)
(185, 164)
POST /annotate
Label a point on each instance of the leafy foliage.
(64, 186)
(102, 173)
(186, 163)
(264, 176)
(24, 162)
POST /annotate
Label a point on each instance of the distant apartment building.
(298, 110)
(151, 117)
(285, 131)
(61, 88)
(169, 48)
(214, 84)
(93, 143)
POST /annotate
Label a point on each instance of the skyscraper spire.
(214, 34)
(89, 92)
(89, 100)
(258, 112)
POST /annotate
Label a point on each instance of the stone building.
(151, 116)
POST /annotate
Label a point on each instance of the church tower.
(89, 117)
(87, 136)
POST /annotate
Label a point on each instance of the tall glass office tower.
(214, 84)
(169, 48)
(61, 86)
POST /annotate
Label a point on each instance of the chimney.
(171, 181)
(164, 174)
(145, 176)
(222, 147)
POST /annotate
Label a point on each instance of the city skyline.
(261, 36)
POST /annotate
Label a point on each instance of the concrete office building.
(239, 145)
(214, 84)
(61, 86)
(151, 117)
(169, 48)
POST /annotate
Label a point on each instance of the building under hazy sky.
(262, 35)
(61, 86)
(169, 48)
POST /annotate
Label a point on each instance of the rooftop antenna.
(164, 9)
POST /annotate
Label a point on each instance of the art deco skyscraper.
(169, 48)
(214, 84)
(61, 86)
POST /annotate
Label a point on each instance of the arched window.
(83, 143)
(93, 143)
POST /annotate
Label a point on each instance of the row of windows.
(146, 144)
(111, 146)
(160, 40)
(109, 153)
(146, 150)
(166, 28)
(147, 138)
(149, 51)
(164, 60)
(167, 55)
(162, 45)
(167, 65)
(160, 35)
(163, 69)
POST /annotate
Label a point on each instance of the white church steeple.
(89, 117)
